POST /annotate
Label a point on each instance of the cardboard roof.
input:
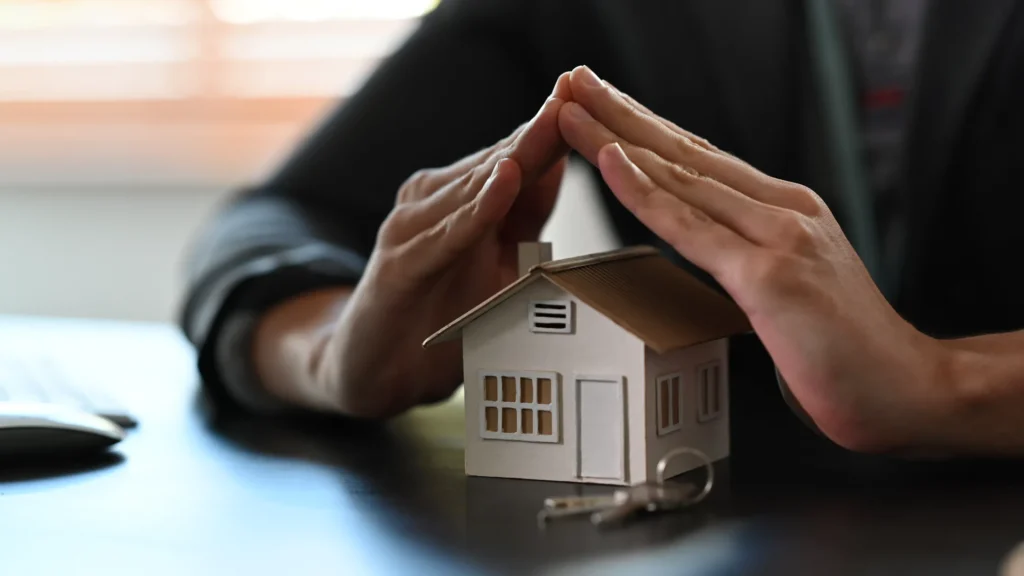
(638, 289)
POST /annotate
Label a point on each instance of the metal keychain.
(625, 503)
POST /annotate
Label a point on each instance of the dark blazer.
(734, 71)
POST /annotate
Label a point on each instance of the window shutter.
(709, 391)
(669, 400)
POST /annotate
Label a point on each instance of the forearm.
(287, 345)
(986, 390)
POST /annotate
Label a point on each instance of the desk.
(193, 492)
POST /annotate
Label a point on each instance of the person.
(716, 130)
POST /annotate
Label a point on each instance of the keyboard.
(35, 379)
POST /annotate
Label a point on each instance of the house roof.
(638, 289)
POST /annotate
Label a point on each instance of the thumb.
(534, 205)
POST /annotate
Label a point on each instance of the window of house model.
(520, 406)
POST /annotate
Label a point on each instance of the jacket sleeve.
(468, 75)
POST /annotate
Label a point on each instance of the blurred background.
(123, 123)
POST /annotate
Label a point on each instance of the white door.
(601, 429)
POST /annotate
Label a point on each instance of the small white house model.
(590, 369)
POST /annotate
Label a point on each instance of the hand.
(449, 243)
(867, 378)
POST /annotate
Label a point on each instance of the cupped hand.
(449, 243)
(866, 377)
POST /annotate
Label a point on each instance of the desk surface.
(193, 492)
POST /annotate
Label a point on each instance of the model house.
(590, 369)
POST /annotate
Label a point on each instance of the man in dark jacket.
(900, 121)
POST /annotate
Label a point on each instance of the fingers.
(540, 146)
(695, 235)
(563, 87)
(697, 140)
(584, 133)
(752, 219)
(434, 250)
(425, 183)
(437, 178)
(703, 143)
(535, 148)
(532, 209)
(639, 126)
(543, 168)
(632, 124)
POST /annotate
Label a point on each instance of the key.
(644, 498)
(673, 496)
(574, 502)
(626, 502)
(555, 508)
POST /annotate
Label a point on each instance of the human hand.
(866, 377)
(449, 243)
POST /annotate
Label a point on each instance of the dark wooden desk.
(194, 492)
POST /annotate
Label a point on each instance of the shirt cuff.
(223, 323)
(233, 361)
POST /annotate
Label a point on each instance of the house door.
(601, 428)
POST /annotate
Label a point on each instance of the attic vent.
(552, 316)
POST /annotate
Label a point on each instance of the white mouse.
(38, 428)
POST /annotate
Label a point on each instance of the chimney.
(532, 254)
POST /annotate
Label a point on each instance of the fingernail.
(615, 149)
(554, 90)
(494, 174)
(488, 184)
(589, 78)
(579, 112)
(541, 110)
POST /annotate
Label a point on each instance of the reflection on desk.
(198, 491)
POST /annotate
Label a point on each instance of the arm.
(464, 79)
(272, 277)
(448, 244)
(289, 341)
(986, 392)
(868, 379)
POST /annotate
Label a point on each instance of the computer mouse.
(38, 428)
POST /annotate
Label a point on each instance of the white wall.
(501, 341)
(114, 250)
(579, 224)
(111, 252)
(710, 437)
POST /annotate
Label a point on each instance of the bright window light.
(71, 50)
(34, 14)
(256, 11)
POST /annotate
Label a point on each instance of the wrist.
(291, 348)
(924, 406)
(959, 397)
(939, 399)
(357, 364)
(984, 396)
(233, 354)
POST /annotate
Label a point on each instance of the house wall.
(501, 341)
(711, 437)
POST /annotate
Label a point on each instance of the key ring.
(708, 484)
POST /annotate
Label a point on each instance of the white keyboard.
(41, 379)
